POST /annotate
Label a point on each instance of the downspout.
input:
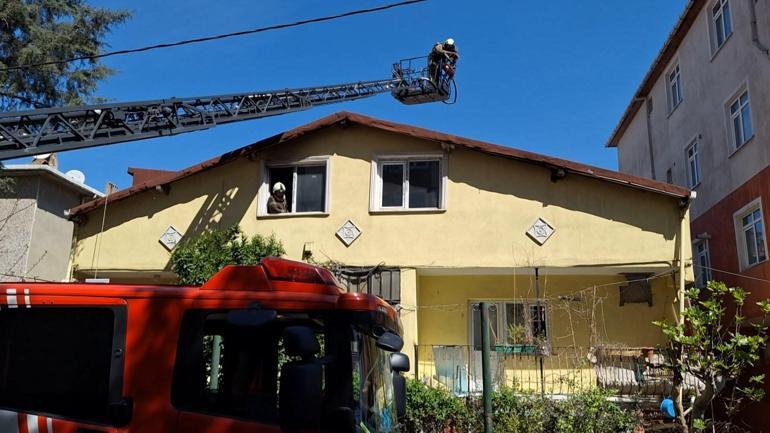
(755, 31)
(678, 388)
(648, 108)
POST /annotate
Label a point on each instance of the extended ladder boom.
(65, 128)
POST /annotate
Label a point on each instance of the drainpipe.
(678, 391)
(755, 31)
(648, 108)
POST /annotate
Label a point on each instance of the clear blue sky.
(550, 77)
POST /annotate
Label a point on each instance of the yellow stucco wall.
(491, 202)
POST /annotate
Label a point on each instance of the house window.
(721, 17)
(751, 234)
(674, 88)
(412, 183)
(740, 120)
(511, 323)
(306, 186)
(693, 165)
(702, 263)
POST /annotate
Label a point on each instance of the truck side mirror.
(300, 396)
(390, 342)
(399, 363)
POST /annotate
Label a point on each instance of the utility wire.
(216, 37)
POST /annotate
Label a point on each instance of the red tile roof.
(343, 118)
(665, 55)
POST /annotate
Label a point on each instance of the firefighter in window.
(277, 201)
(442, 60)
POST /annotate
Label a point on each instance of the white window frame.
(700, 268)
(693, 175)
(674, 87)
(740, 237)
(375, 190)
(714, 26)
(730, 117)
(264, 189)
(500, 326)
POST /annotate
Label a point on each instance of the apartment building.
(701, 119)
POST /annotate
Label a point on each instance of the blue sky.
(550, 77)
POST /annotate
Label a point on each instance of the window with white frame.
(750, 232)
(740, 119)
(409, 183)
(702, 263)
(674, 88)
(305, 187)
(693, 164)
(511, 323)
(721, 22)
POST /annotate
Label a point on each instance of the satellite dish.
(76, 175)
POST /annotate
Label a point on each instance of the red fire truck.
(274, 347)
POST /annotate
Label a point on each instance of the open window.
(408, 183)
(295, 188)
(520, 326)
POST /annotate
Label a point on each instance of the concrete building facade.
(701, 119)
(35, 232)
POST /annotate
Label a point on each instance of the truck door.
(61, 363)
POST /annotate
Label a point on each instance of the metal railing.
(551, 371)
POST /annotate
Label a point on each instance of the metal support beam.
(485, 367)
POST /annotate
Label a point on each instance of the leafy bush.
(431, 410)
(196, 260)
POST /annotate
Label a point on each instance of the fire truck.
(273, 347)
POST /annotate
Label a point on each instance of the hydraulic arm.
(25, 133)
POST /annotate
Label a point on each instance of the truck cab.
(274, 347)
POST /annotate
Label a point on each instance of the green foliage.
(196, 260)
(432, 410)
(37, 31)
(717, 348)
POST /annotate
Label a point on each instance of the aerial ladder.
(47, 130)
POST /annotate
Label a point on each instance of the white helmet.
(450, 41)
(279, 187)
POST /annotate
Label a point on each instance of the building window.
(722, 21)
(702, 263)
(693, 165)
(512, 323)
(750, 230)
(381, 281)
(305, 187)
(674, 88)
(740, 119)
(411, 183)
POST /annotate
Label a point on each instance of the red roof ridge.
(413, 131)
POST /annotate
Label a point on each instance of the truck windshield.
(373, 384)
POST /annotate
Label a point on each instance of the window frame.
(673, 102)
(501, 325)
(375, 189)
(693, 177)
(264, 189)
(738, 114)
(706, 253)
(714, 27)
(740, 237)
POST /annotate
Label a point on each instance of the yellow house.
(576, 261)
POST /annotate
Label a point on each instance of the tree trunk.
(678, 395)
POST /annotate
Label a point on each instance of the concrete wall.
(491, 202)
(709, 80)
(17, 213)
(51, 239)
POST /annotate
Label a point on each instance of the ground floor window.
(512, 323)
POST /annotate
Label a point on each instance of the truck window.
(229, 371)
(60, 361)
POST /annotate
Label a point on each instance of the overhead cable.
(216, 37)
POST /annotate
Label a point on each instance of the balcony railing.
(556, 371)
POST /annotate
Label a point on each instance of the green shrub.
(431, 410)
